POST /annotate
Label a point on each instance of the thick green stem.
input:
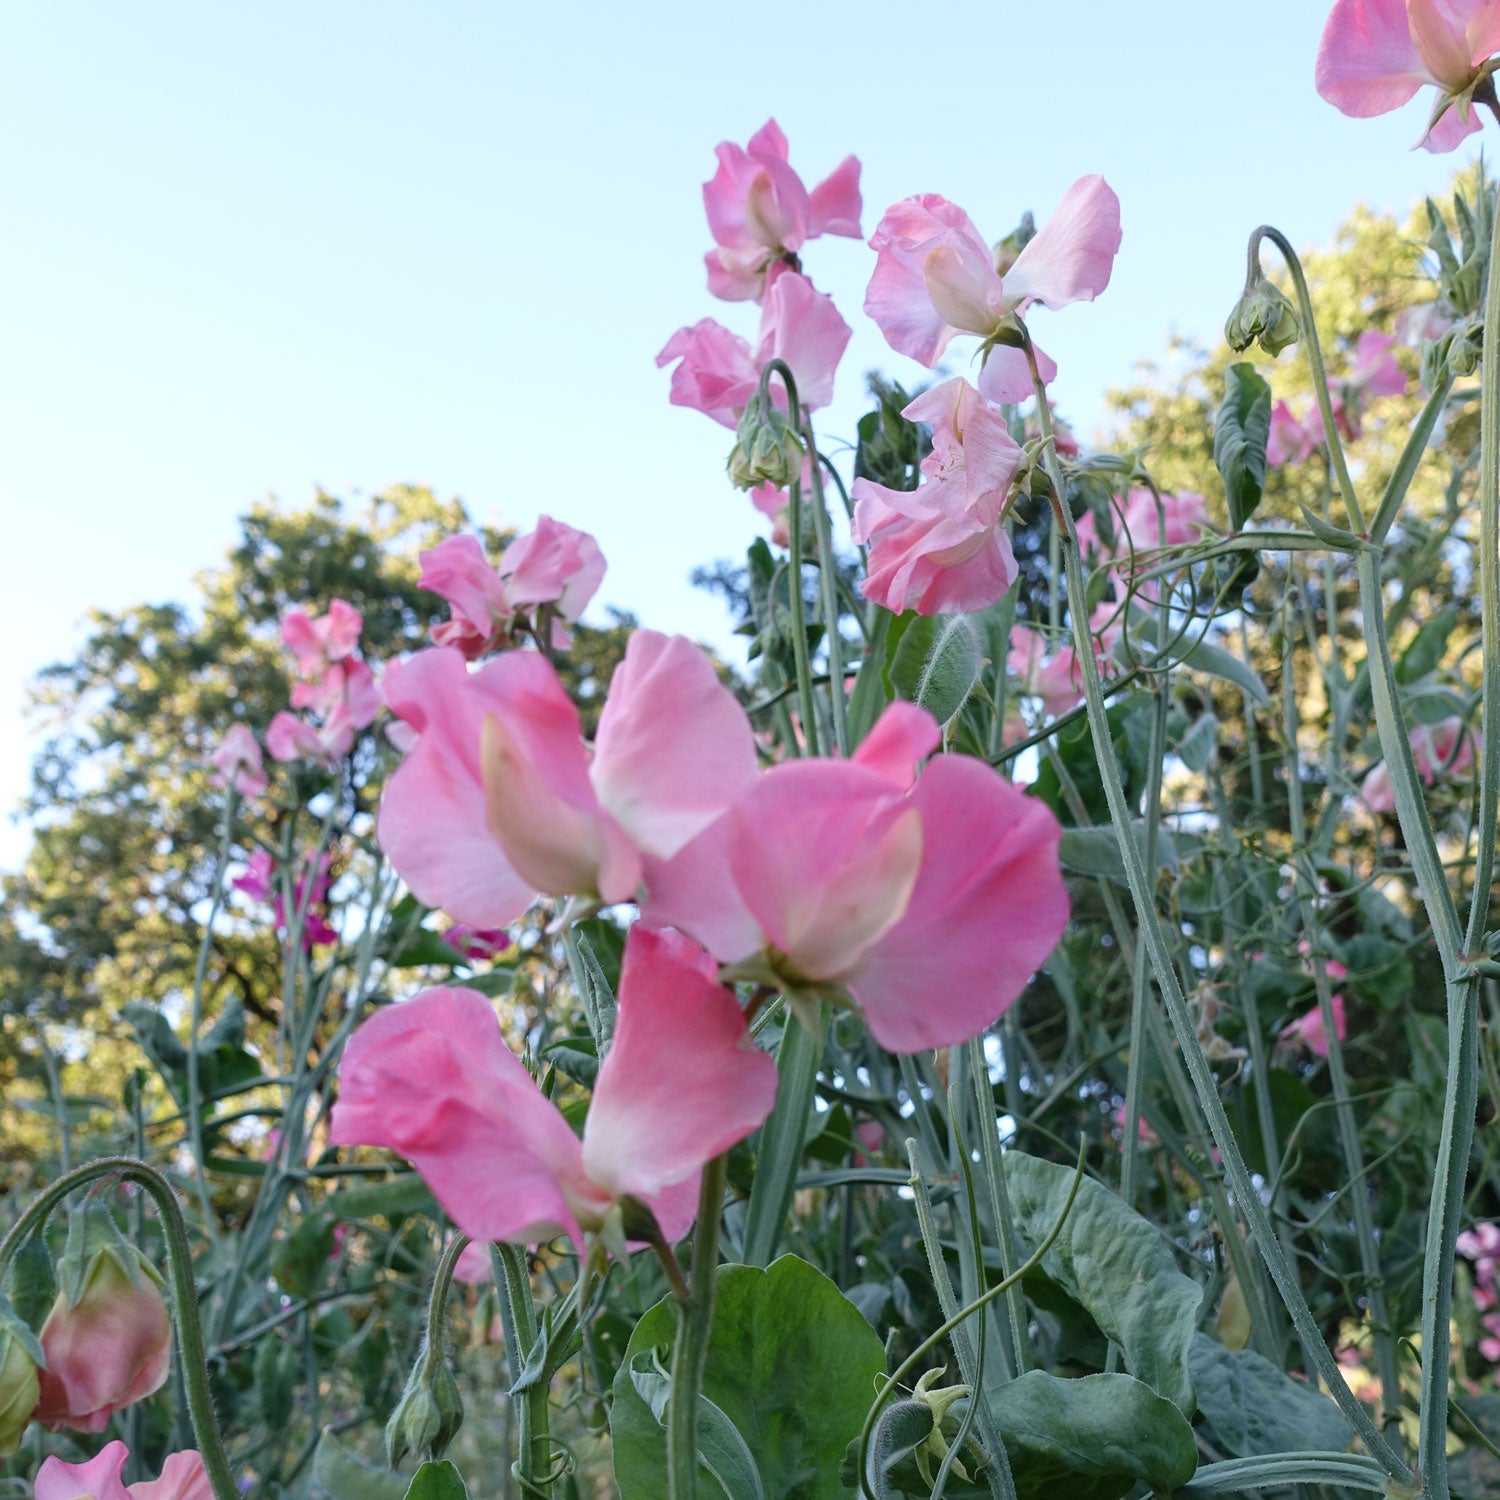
(690, 1351)
(1246, 1196)
(828, 576)
(184, 1294)
(533, 1467)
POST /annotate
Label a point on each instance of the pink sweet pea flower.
(1307, 1030)
(1293, 440)
(433, 1079)
(759, 211)
(1374, 373)
(315, 641)
(1375, 54)
(1058, 680)
(935, 277)
(927, 906)
(500, 798)
(473, 1265)
(557, 565)
(718, 372)
(458, 571)
(182, 1478)
(477, 943)
(238, 764)
(259, 882)
(1447, 747)
(942, 548)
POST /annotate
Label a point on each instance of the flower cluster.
(1294, 439)
(335, 690)
(310, 887)
(1480, 1246)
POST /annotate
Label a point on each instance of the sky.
(257, 250)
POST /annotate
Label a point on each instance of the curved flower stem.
(184, 1294)
(828, 578)
(1315, 359)
(1246, 1196)
(518, 1318)
(690, 1351)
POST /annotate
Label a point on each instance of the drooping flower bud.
(767, 449)
(108, 1339)
(429, 1413)
(20, 1355)
(1264, 316)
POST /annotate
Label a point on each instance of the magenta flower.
(759, 211)
(1375, 54)
(317, 641)
(433, 1079)
(477, 943)
(942, 548)
(718, 372)
(238, 764)
(182, 1478)
(309, 895)
(927, 902)
(935, 277)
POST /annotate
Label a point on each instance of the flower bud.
(767, 449)
(429, 1413)
(1264, 316)
(19, 1386)
(108, 1339)
(1455, 354)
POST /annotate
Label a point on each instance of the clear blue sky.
(254, 249)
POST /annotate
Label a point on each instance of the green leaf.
(1380, 971)
(1330, 535)
(403, 1194)
(1114, 1264)
(300, 1261)
(1220, 663)
(937, 661)
(1241, 431)
(722, 1450)
(1130, 735)
(1096, 850)
(1255, 1409)
(439, 1481)
(1428, 646)
(1198, 743)
(791, 1366)
(425, 949)
(871, 694)
(1091, 1439)
(343, 1475)
(901, 1429)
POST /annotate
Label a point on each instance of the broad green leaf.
(791, 1366)
(405, 1193)
(1130, 734)
(901, 1429)
(1091, 1439)
(1197, 745)
(936, 662)
(300, 1261)
(1096, 850)
(721, 1448)
(1220, 663)
(1380, 971)
(1115, 1265)
(1241, 431)
(439, 1481)
(1255, 1409)
(343, 1475)
(1427, 647)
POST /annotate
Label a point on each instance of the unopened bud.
(1455, 354)
(429, 1413)
(20, 1354)
(1264, 316)
(767, 449)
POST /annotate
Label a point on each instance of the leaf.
(1092, 1438)
(300, 1261)
(1331, 536)
(1217, 662)
(1427, 646)
(425, 949)
(1095, 850)
(936, 662)
(871, 693)
(721, 1448)
(1380, 971)
(1197, 745)
(405, 1193)
(1130, 735)
(1114, 1264)
(439, 1481)
(1241, 432)
(342, 1475)
(791, 1366)
(902, 1428)
(1255, 1409)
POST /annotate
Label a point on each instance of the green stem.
(1247, 1199)
(184, 1294)
(690, 1351)
(828, 577)
(533, 1467)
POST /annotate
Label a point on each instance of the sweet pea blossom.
(760, 213)
(238, 764)
(1308, 1031)
(1375, 54)
(1138, 527)
(925, 901)
(345, 697)
(501, 799)
(316, 641)
(182, 1478)
(1058, 680)
(1293, 439)
(309, 894)
(935, 277)
(1373, 373)
(942, 548)
(718, 372)
(1447, 746)
(433, 1079)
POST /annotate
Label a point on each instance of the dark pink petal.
(674, 747)
(683, 1080)
(988, 906)
(432, 1079)
(432, 812)
(1368, 62)
(1073, 253)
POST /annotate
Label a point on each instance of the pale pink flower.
(432, 1079)
(237, 763)
(458, 571)
(473, 1265)
(935, 277)
(555, 564)
(1373, 373)
(1445, 747)
(759, 211)
(1307, 1030)
(182, 1478)
(1293, 439)
(927, 905)
(1376, 54)
(1058, 680)
(717, 371)
(942, 548)
(1138, 528)
(316, 641)
(1423, 322)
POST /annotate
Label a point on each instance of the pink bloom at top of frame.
(1376, 54)
(941, 548)
(432, 1079)
(238, 764)
(759, 211)
(318, 640)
